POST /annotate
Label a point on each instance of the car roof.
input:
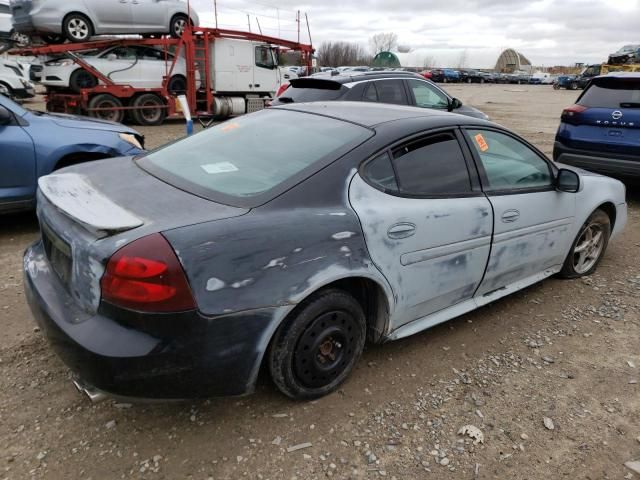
(351, 76)
(620, 75)
(371, 114)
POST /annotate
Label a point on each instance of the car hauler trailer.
(228, 73)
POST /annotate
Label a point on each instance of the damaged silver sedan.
(179, 273)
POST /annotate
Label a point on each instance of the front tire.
(589, 246)
(77, 28)
(315, 350)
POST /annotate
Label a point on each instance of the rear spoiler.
(319, 83)
(74, 196)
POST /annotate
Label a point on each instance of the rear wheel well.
(371, 297)
(610, 209)
(78, 157)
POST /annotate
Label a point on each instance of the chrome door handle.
(401, 230)
(510, 216)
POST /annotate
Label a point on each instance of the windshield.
(612, 93)
(251, 155)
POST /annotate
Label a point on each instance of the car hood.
(78, 121)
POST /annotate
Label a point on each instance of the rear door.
(114, 14)
(427, 225)
(610, 121)
(532, 220)
(387, 91)
(17, 164)
(149, 15)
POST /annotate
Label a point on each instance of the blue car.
(34, 144)
(601, 132)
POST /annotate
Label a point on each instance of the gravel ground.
(548, 378)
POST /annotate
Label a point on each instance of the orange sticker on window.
(230, 126)
(482, 143)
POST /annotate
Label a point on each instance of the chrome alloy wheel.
(588, 248)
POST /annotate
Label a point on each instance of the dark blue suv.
(601, 132)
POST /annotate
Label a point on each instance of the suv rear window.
(253, 155)
(612, 93)
(312, 90)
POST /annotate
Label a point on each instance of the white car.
(79, 20)
(137, 66)
(13, 79)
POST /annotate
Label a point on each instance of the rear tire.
(80, 79)
(572, 86)
(112, 106)
(589, 246)
(315, 350)
(178, 25)
(154, 113)
(77, 28)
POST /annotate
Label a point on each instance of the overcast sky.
(548, 32)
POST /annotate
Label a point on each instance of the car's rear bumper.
(600, 162)
(132, 354)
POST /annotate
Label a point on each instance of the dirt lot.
(564, 350)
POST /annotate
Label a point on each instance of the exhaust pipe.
(90, 391)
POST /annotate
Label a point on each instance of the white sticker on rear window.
(221, 167)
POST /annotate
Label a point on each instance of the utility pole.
(298, 22)
(248, 22)
(278, 14)
(259, 27)
(215, 10)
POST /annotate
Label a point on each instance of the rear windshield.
(612, 93)
(312, 90)
(250, 156)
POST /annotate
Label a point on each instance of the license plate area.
(58, 253)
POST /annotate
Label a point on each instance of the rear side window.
(612, 93)
(432, 166)
(391, 91)
(380, 172)
(313, 90)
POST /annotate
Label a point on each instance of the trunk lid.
(89, 211)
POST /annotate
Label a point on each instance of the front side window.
(264, 57)
(391, 91)
(428, 96)
(251, 155)
(432, 166)
(509, 163)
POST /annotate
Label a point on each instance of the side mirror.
(567, 181)
(454, 103)
(6, 117)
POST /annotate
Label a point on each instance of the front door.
(531, 218)
(265, 71)
(17, 164)
(427, 230)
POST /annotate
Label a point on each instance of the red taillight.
(146, 275)
(282, 88)
(572, 111)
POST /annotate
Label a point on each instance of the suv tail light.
(146, 275)
(571, 113)
(282, 88)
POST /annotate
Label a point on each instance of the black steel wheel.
(589, 246)
(314, 351)
(80, 79)
(107, 108)
(77, 28)
(149, 109)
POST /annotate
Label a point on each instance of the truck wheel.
(112, 108)
(314, 350)
(80, 79)
(77, 28)
(149, 109)
(178, 25)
